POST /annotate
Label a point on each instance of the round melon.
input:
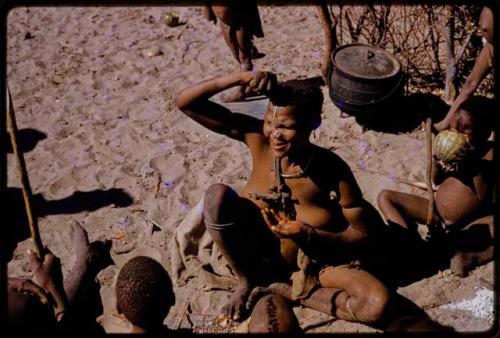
(171, 19)
(447, 144)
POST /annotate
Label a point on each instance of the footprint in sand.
(170, 167)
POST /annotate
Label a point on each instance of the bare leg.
(472, 245)
(399, 207)
(363, 298)
(80, 287)
(239, 40)
(223, 214)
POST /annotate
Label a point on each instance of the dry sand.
(83, 77)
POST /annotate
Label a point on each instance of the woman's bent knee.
(376, 305)
(220, 204)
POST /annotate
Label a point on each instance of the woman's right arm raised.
(195, 102)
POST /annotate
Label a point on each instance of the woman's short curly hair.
(306, 97)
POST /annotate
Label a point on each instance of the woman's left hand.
(282, 226)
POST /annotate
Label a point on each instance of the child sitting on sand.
(299, 196)
(144, 294)
(463, 200)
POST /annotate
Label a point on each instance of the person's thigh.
(411, 206)
(365, 298)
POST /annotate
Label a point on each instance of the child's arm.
(48, 274)
(195, 103)
(479, 71)
(438, 174)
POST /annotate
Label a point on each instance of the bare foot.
(463, 262)
(235, 307)
(81, 242)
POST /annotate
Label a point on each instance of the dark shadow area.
(17, 227)
(476, 238)
(316, 81)
(404, 114)
(27, 140)
(402, 257)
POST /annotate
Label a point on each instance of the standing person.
(239, 22)
(482, 65)
(301, 209)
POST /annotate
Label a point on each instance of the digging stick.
(23, 175)
(428, 136)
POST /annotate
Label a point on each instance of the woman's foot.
(236, 306)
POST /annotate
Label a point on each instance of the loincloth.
(306, 279)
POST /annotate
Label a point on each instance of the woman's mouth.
(279, 146)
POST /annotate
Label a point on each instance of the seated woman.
(464, 197)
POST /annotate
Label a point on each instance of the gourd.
(171, 19)
(448, 144)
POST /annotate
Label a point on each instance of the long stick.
(329, 28)
(428, 134)
(23, 175)
(416, 184)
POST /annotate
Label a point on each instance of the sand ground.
(82, 78)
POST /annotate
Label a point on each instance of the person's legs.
(398, 207)
(81, 289)
(472, 245)
(236, 33)
(236, 227)
(362, 297)
(238, 37)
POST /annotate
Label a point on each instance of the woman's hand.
(282, 226)
(259, 82)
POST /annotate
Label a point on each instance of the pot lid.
(365, 61)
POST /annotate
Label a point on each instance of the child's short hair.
(306, 97)
(144, 292)
(480, 111)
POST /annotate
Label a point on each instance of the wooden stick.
(428, 134)
(329, 28)
(416, 184)
(23, 175)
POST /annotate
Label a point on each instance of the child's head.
(306, 98)
(474, 118)
(144, 293)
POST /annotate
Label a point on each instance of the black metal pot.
(364, 78)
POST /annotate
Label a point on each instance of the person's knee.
(384, 198)
(226, 14)
(380, 302)
(374, 305)
(219, 203)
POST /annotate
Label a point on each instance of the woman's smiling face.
(285, 132)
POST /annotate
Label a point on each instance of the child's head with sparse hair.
(475, 118)
(144, 293)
